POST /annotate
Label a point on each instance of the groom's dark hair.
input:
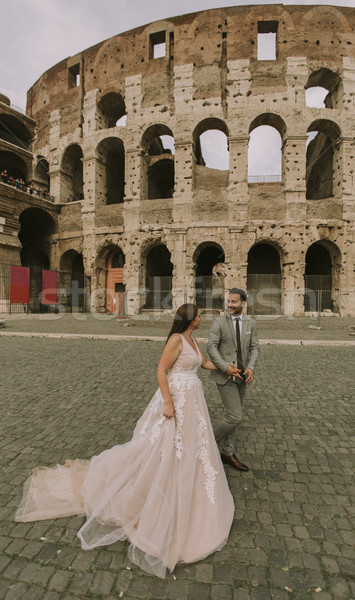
(242, 293)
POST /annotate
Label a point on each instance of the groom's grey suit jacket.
(222, 345)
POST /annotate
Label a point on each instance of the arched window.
(36, 229)
(159, 168)
(112, 111)
(209, 276)
(264, 280)
(41, 175)
(72, 281)
(111, 171)
(14, 165)
(115, 286)
(323, 160)
(72, 185)
(321, 278)
(159, 271)
(15, 132)
(323, 89)
(211, 151)
(267, 133)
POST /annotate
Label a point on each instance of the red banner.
(20, 285)
(49, 287)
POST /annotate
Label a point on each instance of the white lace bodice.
(188, 361)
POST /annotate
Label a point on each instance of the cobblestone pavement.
(290, 328)
(292, 534)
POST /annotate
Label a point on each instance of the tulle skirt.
(165, 490)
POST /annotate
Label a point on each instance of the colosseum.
(106, 189)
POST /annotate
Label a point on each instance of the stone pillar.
(348, 180)
(88, 231)
(133, 177)
(296, 79)
(238, 193)
(183, 88)
(183, 193)
(54, 158)
(133, 95)
(178, 258)
(90, 121)
(294, 173)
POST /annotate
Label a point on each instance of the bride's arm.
(206, 363)
(169, 356)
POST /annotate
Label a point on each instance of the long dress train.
(165, 490)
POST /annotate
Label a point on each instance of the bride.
(165, 490)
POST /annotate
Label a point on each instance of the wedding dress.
(165, 490)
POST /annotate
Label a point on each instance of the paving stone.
(292, 508)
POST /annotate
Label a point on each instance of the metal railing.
(264, 178)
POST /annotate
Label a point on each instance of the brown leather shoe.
(234, 462)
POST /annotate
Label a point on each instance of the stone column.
(294, 177)
(88, 206)
(133, 176)
(183, 193)
(178, 258)
(348, 179)
(238, 193)
(54, 158)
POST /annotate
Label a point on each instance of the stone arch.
(110, 170)
(14, 131)
(322, 276)
(264, 278)
(41, 173)
(72, 281)
(115, 283)
(211, 153)
(209, 285)
(309, 20)
(15, 166)
(71, 174)
(158, 162)
(156, 275)
(36, 230)
(266, 147)
(323, 160)
(111, 109)
(328, 80)
(247, 28)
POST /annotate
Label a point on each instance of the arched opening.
(161, 179)
(159, 272)
(111, 171)
(111, 111)
(321, 279)
(115, 287)
(36, 229)
(210, 142)
(264, 280)
(322, 89)
(159, 167)
(41, 174)
(14, 166)
(71, 277)
(15, 132)
(209, 276)
(72, 184)
(323, 160)
(265, 160)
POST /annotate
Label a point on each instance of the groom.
(233, 338)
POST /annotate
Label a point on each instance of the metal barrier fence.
(158, 295)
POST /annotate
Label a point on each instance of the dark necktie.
(239, 348)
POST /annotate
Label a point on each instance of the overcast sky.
(36, 34)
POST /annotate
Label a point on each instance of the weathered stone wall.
(209, 78)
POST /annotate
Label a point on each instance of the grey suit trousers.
(232, 396)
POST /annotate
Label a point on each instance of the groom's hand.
(249, 375)
(233, 372)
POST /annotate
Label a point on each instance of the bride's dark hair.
(185, 314)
